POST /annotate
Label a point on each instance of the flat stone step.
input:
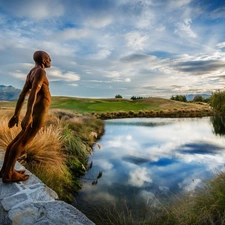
(31, 202)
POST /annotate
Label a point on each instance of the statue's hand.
(27, 120)
(14, 120)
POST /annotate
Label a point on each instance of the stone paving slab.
(31, 202)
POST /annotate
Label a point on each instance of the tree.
(118, 96)
(181, 98)
(198, 98)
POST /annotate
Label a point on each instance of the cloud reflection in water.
(144, 157)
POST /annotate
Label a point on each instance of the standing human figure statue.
(37, 86)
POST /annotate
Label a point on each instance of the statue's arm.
(15, 119)
(22, 96)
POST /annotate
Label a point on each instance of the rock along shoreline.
(31, 202)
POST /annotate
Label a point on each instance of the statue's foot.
(18, 171)
(15, 177)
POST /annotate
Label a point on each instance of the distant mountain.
(9, 93)
(190, 97)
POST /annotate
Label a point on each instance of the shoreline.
(175, 113)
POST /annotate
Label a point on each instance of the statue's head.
(42, 58)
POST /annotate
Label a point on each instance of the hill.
(9, 93)
(89, 105)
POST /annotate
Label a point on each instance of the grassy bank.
(58, 154)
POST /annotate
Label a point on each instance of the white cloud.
(70, 34)
(184, 29)
(55, 74)
(100, 55)
(19, 70)
(71, 76)
(127, 80)
(221, 45)
(136, 41)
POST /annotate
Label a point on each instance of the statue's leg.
(7, 153)
(10, 175)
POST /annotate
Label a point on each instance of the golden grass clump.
(6, 134)
(44, 155)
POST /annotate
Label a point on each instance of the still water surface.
(154, 157)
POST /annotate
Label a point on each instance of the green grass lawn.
(88, 105)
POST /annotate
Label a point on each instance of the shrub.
(217, 101)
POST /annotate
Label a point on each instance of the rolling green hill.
(98, 106)
(116, 104)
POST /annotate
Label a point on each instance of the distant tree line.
(133, 97)
(197, 98)
(181, 98)
(136, 98)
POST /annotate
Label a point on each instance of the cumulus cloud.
(55, 74)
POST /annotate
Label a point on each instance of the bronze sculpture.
(37, 87)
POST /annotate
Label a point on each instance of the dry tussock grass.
(44, 156)
(6, 134)
(59, 149)
(46, 146)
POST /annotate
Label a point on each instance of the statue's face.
(47, 61)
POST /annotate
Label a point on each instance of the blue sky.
(101, 48)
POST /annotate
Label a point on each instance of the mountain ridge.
(9, 93)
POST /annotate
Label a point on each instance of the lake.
(144, 159)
